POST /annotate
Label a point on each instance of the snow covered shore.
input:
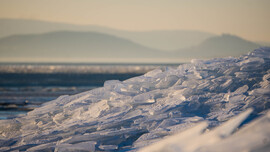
(129, 115)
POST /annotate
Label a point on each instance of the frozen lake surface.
(132, 114)
(25, 86)
(22, 92)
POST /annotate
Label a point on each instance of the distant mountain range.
(218, 46)
(67, 44)
(162, 40)
(36, 40)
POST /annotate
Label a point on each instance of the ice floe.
(207, 101)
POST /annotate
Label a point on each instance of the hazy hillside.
(163, 40)
(92, 45)
(66, 44)
(219, 46)
(167, 40)
(30, 41)
(264, 43)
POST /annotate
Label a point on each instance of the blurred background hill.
(31, 40)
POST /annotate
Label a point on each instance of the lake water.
(24, 87)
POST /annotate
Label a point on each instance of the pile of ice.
(252, 137)
(137, 112)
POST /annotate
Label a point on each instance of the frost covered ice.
(135, 113)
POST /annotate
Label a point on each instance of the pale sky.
(249, 19)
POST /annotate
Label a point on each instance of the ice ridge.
(129, 115)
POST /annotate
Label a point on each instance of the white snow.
(195, 99)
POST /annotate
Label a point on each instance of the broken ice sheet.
(128, 115)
